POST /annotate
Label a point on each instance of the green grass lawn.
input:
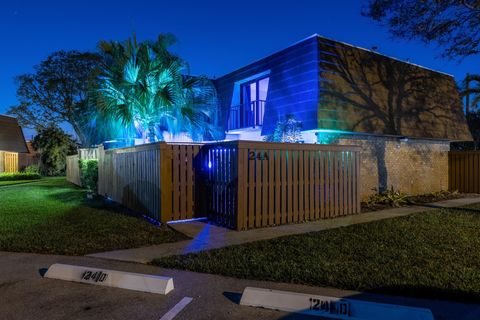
(434, 254)
(53, 216)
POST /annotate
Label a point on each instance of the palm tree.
(470, 89)
(143, 84)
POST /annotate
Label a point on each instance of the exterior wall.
(417, 166)
(293, 85)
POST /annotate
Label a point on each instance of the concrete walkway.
(206, 236)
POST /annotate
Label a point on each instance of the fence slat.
(301, 199)
(242, 190)
(278, 185)
(283, 187)
(258, 192)
(320, 184)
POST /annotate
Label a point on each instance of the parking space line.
(176, 309)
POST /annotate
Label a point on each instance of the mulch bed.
(418, 199)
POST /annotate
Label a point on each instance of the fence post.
(165, 183)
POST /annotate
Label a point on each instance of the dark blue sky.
(215, 37)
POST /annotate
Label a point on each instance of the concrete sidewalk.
(206, 236)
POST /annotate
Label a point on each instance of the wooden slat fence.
(156, 179)
(258, 184)
(131, 176)
(464, 171)
(238, 184)
(27, 159)
(88, 153)
(73, 170)
(11, 161)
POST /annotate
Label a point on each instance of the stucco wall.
(416, 166)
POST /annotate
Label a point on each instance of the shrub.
(389, 197)
(33, 168)
(12, 176)
(287, 129)
(89, 174)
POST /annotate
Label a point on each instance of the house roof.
(11, 135)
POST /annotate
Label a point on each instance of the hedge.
(89, 174)
(12, 176)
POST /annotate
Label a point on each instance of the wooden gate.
(257, 184)
(464, 171)
(178, 182)
(11, 161)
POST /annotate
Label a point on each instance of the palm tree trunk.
(152, 137)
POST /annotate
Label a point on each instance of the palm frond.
(143, 82)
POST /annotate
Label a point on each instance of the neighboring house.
(403, 115)
(12, 143)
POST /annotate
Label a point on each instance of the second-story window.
(251, 110)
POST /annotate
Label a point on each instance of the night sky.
(215, 37)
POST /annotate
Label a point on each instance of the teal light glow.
(329, 136)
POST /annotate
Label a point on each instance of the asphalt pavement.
(25, 294)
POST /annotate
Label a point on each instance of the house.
(12, 143)
(403, 116)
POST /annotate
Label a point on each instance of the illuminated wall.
(293, 85)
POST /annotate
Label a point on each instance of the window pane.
(263, 89)
(253, 91)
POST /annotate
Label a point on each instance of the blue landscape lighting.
(327, 136)
(151, 220)
(187, 220)
(209, 164)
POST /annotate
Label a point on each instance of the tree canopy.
(143, 84)
(57, 91)
(54, 145)
(453, 24)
